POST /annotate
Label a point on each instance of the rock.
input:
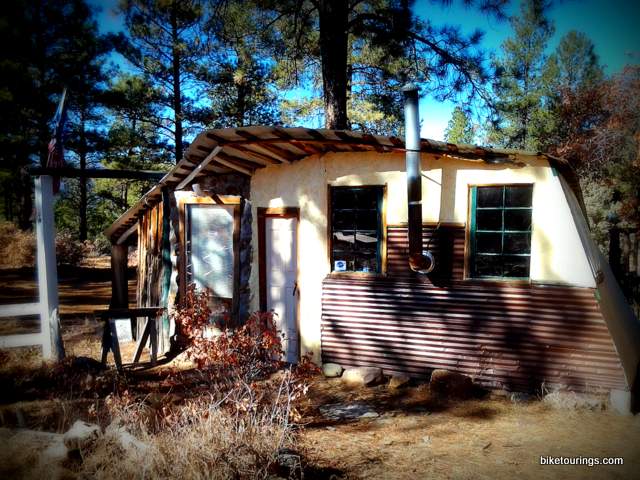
(574, 401)
(620, 402)
(122, 437)
(501, 393)
(289, 463)
(344, 411)
(81, 435)
(398, 381)
(362, 375)
(451, 384)
(370, 415)
(426, 440)
(521, 397)
(56, 453)
(330, 370)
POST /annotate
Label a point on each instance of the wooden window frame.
(383, 233)
(221, 200)
(263, 214)
(468, 246)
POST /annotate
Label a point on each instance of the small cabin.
(314, 224)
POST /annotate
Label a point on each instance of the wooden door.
(281, 273)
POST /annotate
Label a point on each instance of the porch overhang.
(247, 149)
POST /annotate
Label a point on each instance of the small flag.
(56, 145)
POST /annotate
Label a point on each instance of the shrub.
(250, 351)
(69, 251)
(17, 247)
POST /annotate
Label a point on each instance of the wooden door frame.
(263, 214)
(190, 198)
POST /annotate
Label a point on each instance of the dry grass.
(236, 433)
(418, 436)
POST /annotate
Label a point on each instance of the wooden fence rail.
(46, 308)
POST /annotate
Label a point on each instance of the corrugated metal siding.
(446, 243)
(514, 337)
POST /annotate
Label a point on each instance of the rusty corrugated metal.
(516, 337)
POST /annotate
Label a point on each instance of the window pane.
(516, 266)
(366, 263)
(489, 196)
(343, 198)
(517, 243)
(344, 219)
(489, 265)
(343, 240)
(518, 196)
(210, 260)
(517, 219)
(489, 219)
(367, 220)
(367, 198)
(488, 242)
(355, 224)
(366, 241)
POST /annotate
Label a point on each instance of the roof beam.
(207, 160)
(123, 238)
(234, 166)
(69, 172)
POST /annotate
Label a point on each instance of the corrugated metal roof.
(247, 149)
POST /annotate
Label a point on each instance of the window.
(500, 229)
(210, 254)
(356, 226)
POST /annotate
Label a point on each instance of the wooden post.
(52, 346)
(119, 284)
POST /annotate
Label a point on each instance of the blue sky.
(612, 26)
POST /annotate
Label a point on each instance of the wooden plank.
(153, 334)
(125, 236)
(46, 267)
(20, 310)
(207, 160)
(242, 162)
(128, 312)
(115, 345)
(142, 340)
(233, 166)
(68, 172)
(23, 340)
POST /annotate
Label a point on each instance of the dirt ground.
(419, 436)
(410, 433)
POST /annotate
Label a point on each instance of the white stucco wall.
(556, 251)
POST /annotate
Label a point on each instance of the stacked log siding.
(518, 337)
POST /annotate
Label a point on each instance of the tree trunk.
(334, 18)
(177, 97)
(26, 206)
(82, 234)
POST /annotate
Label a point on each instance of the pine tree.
(577, 63)
(576, 99)
(459, 128)
(365, 50)
(48, 44)
(241, 86)
(166, 43)
(524, 77)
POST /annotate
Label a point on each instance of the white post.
(46, 266)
